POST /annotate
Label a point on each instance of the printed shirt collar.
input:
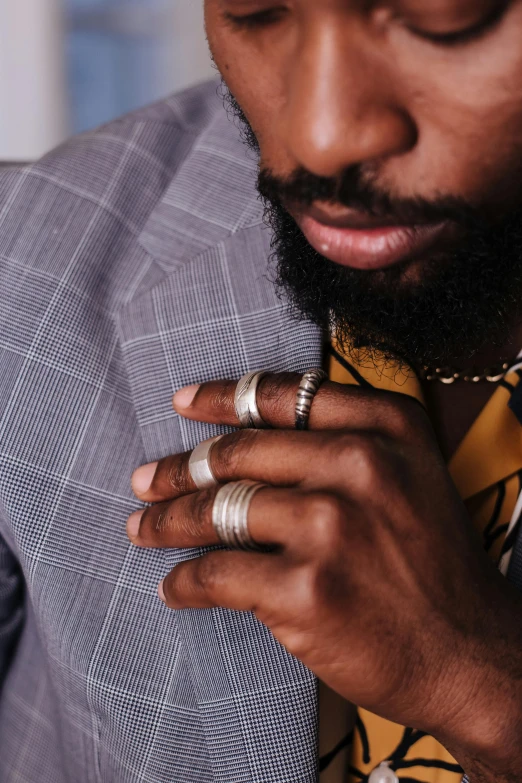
(490, 452)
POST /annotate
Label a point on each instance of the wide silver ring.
(230, 515)
(199, 464)
(245, 401)
(310, 384)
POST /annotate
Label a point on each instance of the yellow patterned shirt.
(487, 470)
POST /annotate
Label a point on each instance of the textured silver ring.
(245, 401)
(199, 464)
(230, 515)
(310, 384)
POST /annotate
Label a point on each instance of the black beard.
(468, 296)
(465, 302)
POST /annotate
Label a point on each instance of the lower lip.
(368, 249)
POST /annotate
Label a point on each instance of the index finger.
(335, 406)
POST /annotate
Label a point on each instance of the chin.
(407, 277)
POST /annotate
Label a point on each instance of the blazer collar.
(212, 196)
(208, 310)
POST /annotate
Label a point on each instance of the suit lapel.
(214, 315)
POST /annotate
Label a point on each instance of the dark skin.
(377, 580)
(454, 408)
(408, 99)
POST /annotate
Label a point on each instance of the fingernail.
(161, 592)
(184, 397)
(133, 524)
(142, 478)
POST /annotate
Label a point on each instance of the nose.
(341, 109)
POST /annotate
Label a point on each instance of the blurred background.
(70, 65)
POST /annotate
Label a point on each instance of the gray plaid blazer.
(133, 261)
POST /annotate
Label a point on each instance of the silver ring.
(230, 515)
(199, 464)
(245, 401)
(310, 384)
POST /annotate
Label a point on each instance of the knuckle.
(154, 525)
(304, 602)
(365, 465)
(208, 575)
(325, 517)
(162, 521)
(230, 451)
(183, 520)
(273, 394)
(372, 462)
(178, 475)
(362, 458)
(200, 512)
(296, 642)
(221, 400)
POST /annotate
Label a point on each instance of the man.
(136, 265)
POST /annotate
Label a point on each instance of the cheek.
(253, 74)
(468, 108)
(465, 152)
(483, 153)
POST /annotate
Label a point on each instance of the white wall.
(33, 116)
(33, 87)
(190, 61)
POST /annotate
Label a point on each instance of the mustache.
(352, 190)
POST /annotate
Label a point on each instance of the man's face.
(391, 132)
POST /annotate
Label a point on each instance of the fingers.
(275, 518)
(282, 458)
(277, 457)
(236, 580)
(335, 406)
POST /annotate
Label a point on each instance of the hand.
(376, 581)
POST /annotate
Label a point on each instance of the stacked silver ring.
(230, 515)
(245, 401)
(310, 384)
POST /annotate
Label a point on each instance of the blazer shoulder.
(85, 203)
(161, 131)
(193, 108)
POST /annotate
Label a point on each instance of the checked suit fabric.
(133, 261)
